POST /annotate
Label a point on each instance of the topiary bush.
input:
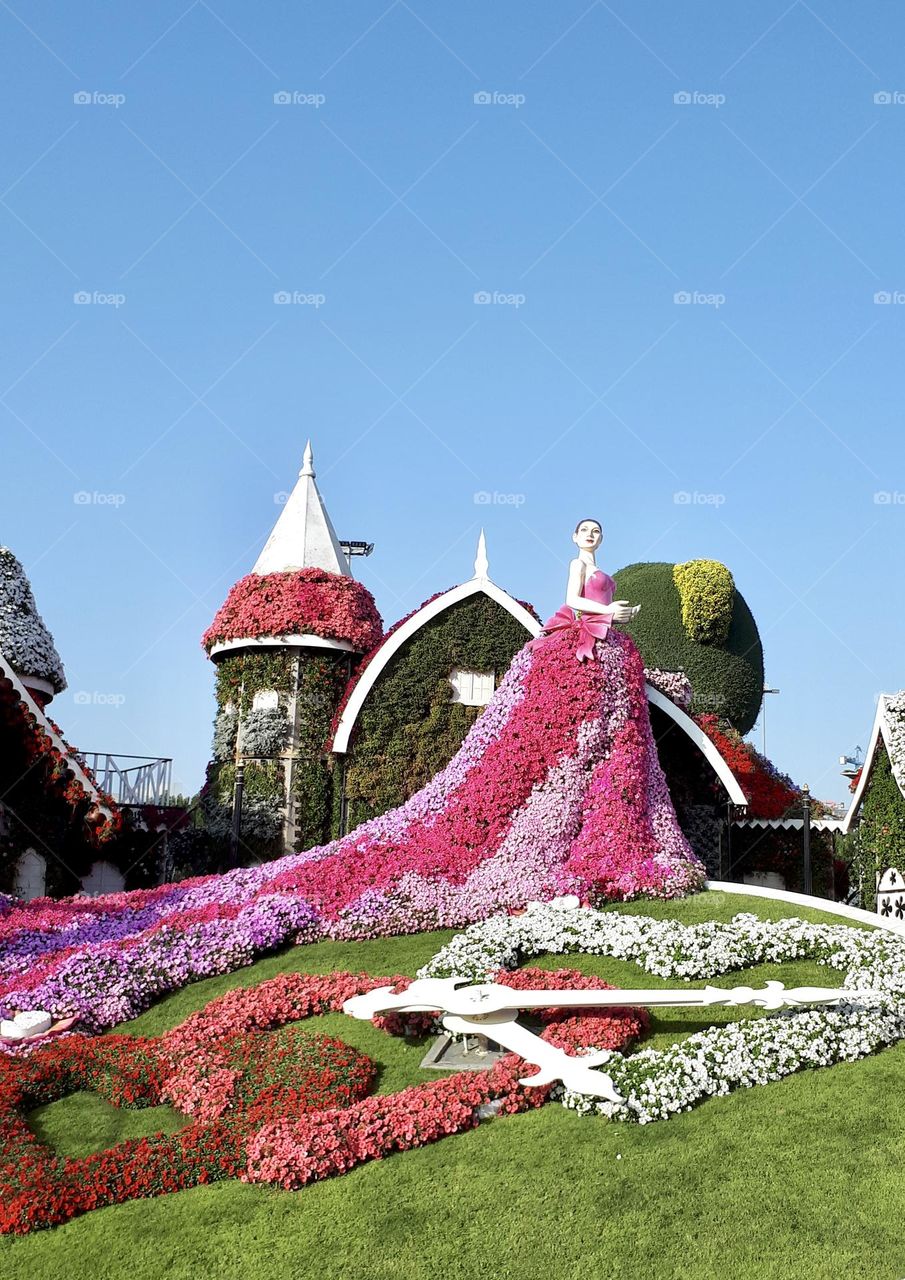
(707, 593)
(727, 675)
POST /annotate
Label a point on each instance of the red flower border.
(280, 1134)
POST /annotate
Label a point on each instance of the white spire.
(481, 564)
(303, 536)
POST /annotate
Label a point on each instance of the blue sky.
(618, 157)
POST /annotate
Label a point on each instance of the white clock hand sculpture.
(478, 1008)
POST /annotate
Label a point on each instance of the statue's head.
(588, 534)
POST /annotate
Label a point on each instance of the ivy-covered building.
(329, 719)
(412, 699)
(875, 823)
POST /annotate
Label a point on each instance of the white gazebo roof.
(303, 536)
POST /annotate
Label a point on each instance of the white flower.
(660, 1083)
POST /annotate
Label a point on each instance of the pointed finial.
(307, 462)
(481, 565)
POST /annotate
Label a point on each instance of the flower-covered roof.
(24, 639)
(21, 716)
(303, 602)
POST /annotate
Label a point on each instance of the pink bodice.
(599, 586)
(586, 627)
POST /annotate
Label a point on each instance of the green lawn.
(802, 1179)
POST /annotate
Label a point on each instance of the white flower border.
(658, 1083)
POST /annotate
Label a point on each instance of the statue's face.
(588, 535)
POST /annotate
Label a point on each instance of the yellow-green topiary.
(707, 593)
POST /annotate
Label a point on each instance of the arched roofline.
(394, 643)
(420, 619)
(701, 741)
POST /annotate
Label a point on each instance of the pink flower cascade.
(297, 602)
(556, 788)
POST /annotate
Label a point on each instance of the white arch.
(701, 741)
(395, 642)
(379, 662)
(807, 900)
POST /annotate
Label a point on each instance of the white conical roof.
(303, 537)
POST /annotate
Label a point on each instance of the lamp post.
(806, 837)
(763, 721)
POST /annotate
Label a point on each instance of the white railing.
(131, 779)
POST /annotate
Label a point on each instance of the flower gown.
(556, 789)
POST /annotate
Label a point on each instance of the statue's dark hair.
(586, 518)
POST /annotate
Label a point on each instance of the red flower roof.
(297, 602)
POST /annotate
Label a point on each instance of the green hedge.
(728, 677)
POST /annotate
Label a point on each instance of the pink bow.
(589, 627)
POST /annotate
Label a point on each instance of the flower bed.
(659, 1083)
(555, 789)
(284, 1108)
